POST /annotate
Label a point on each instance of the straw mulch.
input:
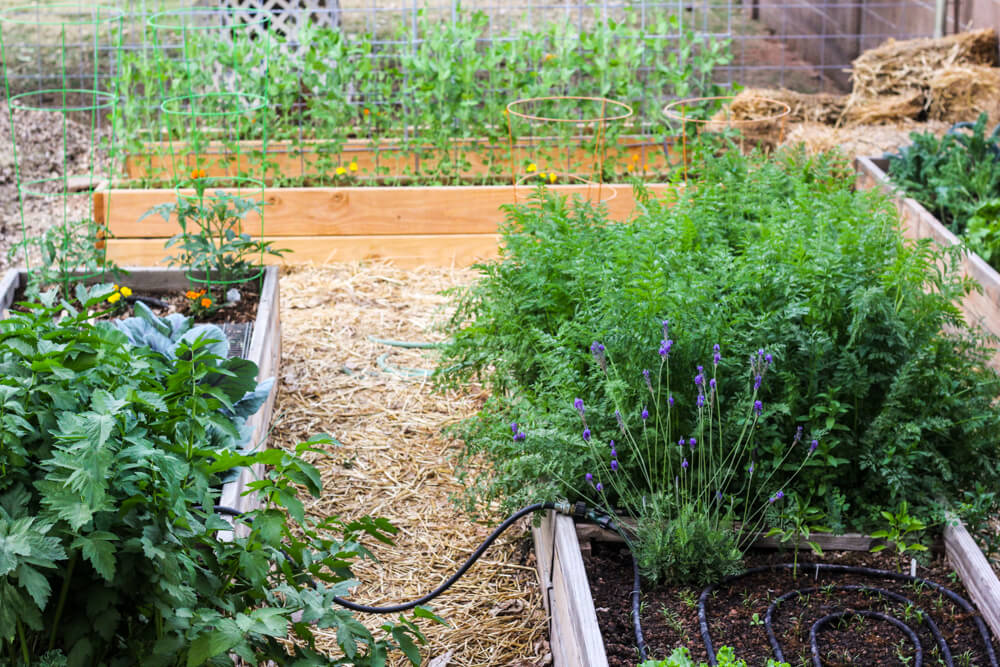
(859, 140)
(395, 462)
(753, 103)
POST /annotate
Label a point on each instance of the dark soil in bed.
(735, 612)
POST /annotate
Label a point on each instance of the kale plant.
(111, 456)
(871, 354)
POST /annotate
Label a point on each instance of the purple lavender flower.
(670, 400)
(699, 378)
(684, 464)
(578, 404)
(751, 468)
(520, 436)
(813, 445)
(614, 453)
(614, 465)
(768, 359)
(718, 495)
(645, 414)
(586, 434)
(701, 400)
(756, 382)
(758, 407)
(599, 487)
(666, 329)
(798, 436)
(589, 477)
(513, 427)
(681, 443)
(645, 375)
(665, 346)
(597, 349)
(716, 355)
(693, 443)
(711, 384)
(776, 497)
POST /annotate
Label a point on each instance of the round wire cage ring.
(207, 19)
(603, 118)
(61, 14)
(73, 99)
(213, 105)
(670, 111)
(239, 183)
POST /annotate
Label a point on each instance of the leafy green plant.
(797, 520)
(114, 441)
(69, 252)
(726, 657)
(872, 355)
(902, 535)
(956, 177)
(978, 508)
(214, 250)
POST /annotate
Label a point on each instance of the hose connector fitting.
(563, 507)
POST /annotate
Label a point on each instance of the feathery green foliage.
(871, 355)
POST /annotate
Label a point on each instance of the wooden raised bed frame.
(412, 226)
(575, 637)
(294, 160)
(981, 309)
(264, 350)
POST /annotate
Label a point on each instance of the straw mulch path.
(395, 462)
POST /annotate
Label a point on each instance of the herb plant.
(113, 443)
(871, 354)
(902, 534)
(726, 657)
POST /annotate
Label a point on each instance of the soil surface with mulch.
(736, 612)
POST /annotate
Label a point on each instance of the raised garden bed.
(413, 226)
(381, 159)
(982, 309)
(575, 634)
(258, 341)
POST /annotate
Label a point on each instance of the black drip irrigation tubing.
(984, 633)
(918, 655)
(881, 592)
(406, 606)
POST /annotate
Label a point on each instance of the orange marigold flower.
(191, 295)
(206, 302)
(365, 111)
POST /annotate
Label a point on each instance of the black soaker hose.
(845, 569)
(406, 606)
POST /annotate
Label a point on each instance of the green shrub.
(871, 355)
(111, 457)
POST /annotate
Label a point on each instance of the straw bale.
(395, 462)
(962, 92)
(858, 140)
(896, 67)
(814, 108)
(885, 109)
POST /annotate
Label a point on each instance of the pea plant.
(431, 108)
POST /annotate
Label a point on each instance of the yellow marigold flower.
(114, 297)
(340, 171)
(553, 177)
(531, 168)
(635, 158)
(548, 56)
(206, 302)
(126, 291)
(114, 287)
(353, 166)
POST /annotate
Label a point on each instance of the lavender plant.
(699, 498)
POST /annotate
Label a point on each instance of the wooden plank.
(360, 211)
(405, 251)
(979, 578)
(574, 636)
(8, 286)
(981, 310)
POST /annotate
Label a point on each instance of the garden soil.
(735, 613)
(394, 461)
